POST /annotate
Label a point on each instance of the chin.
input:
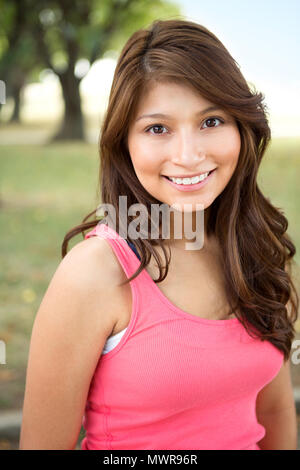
(187, 207)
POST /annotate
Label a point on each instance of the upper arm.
(278, 394)
(68, 335)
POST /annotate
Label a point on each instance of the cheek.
(144, 159)
(228, 154)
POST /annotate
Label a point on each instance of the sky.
(263, 36)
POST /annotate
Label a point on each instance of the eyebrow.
(166, 116)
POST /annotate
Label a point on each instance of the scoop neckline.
(167, 302)
(208, 321)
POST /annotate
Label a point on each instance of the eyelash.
(207, 119)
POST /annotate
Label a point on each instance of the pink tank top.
(175, 380)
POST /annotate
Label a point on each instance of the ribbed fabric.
(175, 380)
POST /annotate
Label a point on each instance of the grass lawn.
(45, 191)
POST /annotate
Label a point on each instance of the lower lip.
(190, 187)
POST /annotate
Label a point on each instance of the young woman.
(193, 352)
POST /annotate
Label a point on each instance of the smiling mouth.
(190, 184)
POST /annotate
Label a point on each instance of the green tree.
(17, 52)
(65, 31)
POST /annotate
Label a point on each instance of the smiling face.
(186, 141)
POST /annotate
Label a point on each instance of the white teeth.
(194, 180)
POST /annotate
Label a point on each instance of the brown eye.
(156, 126)
(212, 120)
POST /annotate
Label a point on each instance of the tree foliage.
(55, 34)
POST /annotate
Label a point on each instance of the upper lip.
(189, 176)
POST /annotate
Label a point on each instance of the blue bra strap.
(133, 249)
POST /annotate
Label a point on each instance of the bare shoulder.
(83, 289)
(94, 269)
(97, 261)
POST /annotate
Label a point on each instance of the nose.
(188, 149)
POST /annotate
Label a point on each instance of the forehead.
(159, 95)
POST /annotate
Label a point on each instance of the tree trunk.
(72, 126)
(16, 94)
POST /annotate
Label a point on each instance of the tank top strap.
(129, 259)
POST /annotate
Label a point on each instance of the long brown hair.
(256, 250)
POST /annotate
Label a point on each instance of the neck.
(191, 228)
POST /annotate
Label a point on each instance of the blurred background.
(57, 60)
